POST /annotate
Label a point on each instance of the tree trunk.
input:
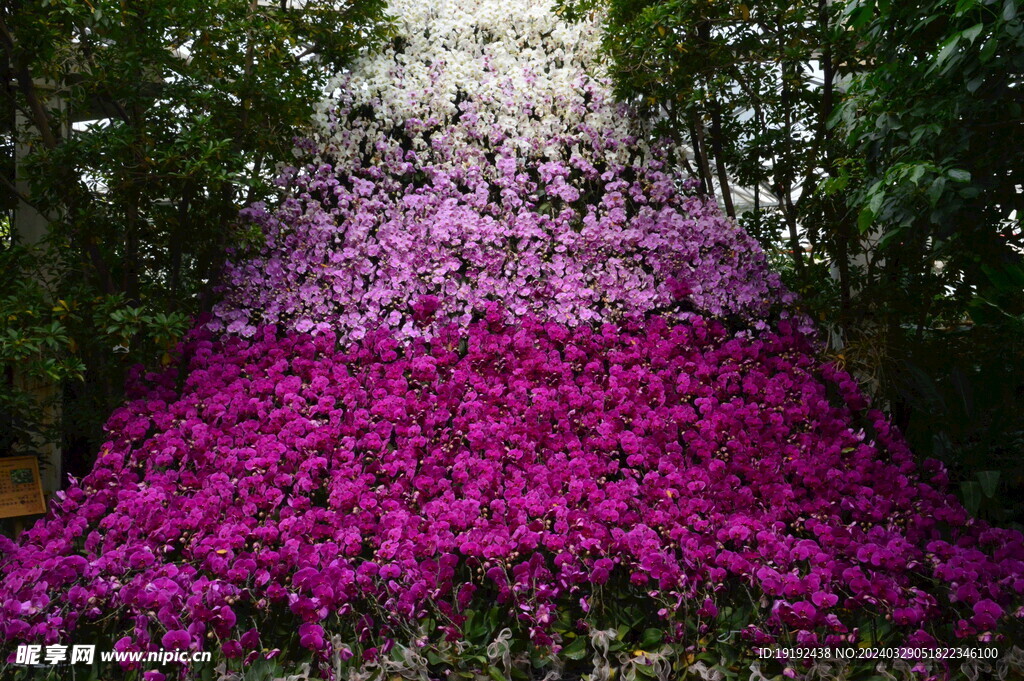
(716, 145)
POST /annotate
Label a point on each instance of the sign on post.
(21, 492)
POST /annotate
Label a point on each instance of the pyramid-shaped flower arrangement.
(499, 390)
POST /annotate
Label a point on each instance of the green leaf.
(859, 16)
(645, 670)
(576, 650)
(988, 50)
(888, 237)
(1010, 10)
(651, 638)
(989, 482)
(877, 196)
(493, 617)
(958, 175)
(1015, 272)
(971, 493)
(947, 51)
(1006, 278)
(964, 6)
(973, 32)
(935, 190)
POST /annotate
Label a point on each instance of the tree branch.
(40, 118)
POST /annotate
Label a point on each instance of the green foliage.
(40, 340)
(618, 636)
(34, 338)
(184, 111)
(934, 121)
(961, 387)
(885, 139)
(737, 82)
